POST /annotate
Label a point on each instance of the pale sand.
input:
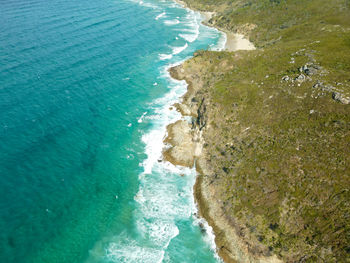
(236, 42)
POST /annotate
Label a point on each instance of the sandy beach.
(234, 41)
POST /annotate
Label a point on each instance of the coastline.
(257, 214)
(230, 246)
(185, 147)
(233, 41)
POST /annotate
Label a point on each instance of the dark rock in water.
(159, 160)
(201, 225)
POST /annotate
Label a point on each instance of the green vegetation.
(278, 138)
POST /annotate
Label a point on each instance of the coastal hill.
(274, 170)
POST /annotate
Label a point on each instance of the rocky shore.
(268, 130)
(184, 144)
(186, 147)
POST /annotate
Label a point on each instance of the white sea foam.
(130, 156)
(165, 56)
(189, 37)
(221, 43)
(162, 200)
(192, 31)
(171, 22)
(145, 4)
(160, 232)
(209, 235)
(160, 15)
(130, 251)
(163, 197)
(177, 50)
(142, 117)
(154, 138)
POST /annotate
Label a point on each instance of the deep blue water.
(84, 101)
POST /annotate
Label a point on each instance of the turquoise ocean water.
(84, 101)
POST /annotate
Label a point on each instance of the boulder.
(301, 78)
(337, 96)
(285, 78)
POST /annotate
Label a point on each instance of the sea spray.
(164, 198)
(161, 199)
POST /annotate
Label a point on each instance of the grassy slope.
(281, 149)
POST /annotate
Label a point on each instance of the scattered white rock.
(337, 96)
(286, 78)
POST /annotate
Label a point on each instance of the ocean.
(85, 98)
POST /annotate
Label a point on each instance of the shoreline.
(233, 41)
(230, 246)
(256, 214)
(185, 138)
